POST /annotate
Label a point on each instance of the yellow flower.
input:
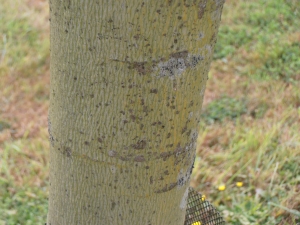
(196, 223)
(222, 187)
(203, 198)
(239, 184)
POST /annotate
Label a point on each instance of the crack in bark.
(181, 181)
(51, 138)
(167, 187)
(174, 65)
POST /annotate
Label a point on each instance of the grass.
(224, 108)
(251, 114)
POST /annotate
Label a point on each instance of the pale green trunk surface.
(127, 82)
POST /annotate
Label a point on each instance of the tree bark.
(127, 83)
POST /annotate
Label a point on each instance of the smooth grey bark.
(127, 83)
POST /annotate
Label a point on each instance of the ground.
(248, 150)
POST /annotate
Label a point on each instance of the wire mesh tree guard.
(200, 211)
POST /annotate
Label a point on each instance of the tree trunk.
(127, 82)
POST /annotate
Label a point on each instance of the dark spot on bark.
(191, 170)
(168, 135)
(67, 152)
(151, 180)
(86, 143)
(142, 67)
(153, 91)
(189, 133)
(182, 54)
(213, 38)
(167, 187)
(141, 144)
(194, 60)
(132, 117)
(146, 109)
(124, 158)
(141, 126)
(201, 10)
(179, 150)
(100, 140)
(113, 205)
(51, 138)
(165, 155)
(180, 181)
(139, 158)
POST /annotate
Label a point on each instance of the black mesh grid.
(201, 212)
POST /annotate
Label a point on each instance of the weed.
(222, 108)
(4, 125)
(231, 39)
(283, 63)
(23, 206)
(259, 42)
(21, 45)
